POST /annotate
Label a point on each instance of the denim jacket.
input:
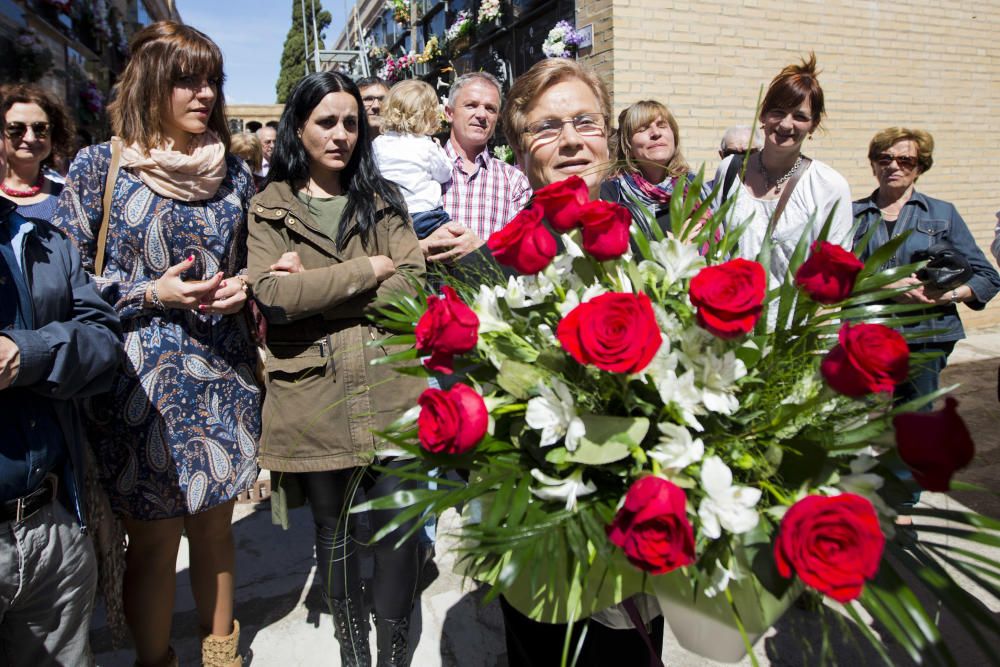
(930, 220)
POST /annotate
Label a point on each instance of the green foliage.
(293, 55)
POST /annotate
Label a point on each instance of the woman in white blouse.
(792, 110)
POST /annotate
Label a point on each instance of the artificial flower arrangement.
(31, 59)
(400, 10)
(504, 153)
(489, 10)
(562, 41)
(460, 28)
(629, 422)
(92, 98)
(396, 69)
(432, 51)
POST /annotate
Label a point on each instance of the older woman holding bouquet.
(556, 120)
(36, 129)
(651, 163)
(791, 112)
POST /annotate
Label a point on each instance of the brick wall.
(930, 64)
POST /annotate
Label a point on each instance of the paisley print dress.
(177, 434)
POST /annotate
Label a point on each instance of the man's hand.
(10, 361)
(449, 242)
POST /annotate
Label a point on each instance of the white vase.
(707, 626)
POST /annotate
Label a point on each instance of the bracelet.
(154, 298)
(954, 295)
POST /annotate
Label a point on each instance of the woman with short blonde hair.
(176, 437)
(650, 164)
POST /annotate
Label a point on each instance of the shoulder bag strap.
(731, 173)
(786, 194)
(109, 190)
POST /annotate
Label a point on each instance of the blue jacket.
(74, 349)
(930, 220)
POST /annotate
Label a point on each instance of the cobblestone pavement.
(285, 625)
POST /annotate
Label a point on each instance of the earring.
(810, 136)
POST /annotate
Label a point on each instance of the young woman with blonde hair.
(176, 438)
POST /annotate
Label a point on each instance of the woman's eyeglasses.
(586, 124)
(16, 130)
(904, 161)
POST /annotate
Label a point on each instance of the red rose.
(832, 543)
(934, 445)
(524, 243)
(447, 328)
(869, 358)
(451, 421)
(616, 332)
(605, 229)
(561, 202)
(829, 273)
(729, 297)
(652, 527)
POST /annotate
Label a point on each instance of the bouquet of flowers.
(504, 153)
(460, 28)
(489, 10)
(562, 41)
(92, 98)
(631, 420)
(31, 59)
(396, 69)
(432, 51)
(400, 10)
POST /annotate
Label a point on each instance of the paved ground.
(284, 623)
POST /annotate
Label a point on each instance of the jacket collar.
(869, 203)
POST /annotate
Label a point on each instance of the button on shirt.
(489, 197)
(31, 443)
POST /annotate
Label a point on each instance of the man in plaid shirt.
(485, 193)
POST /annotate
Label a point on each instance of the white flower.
(553, 413)
(725, 506)
(567, 490)
(683, 394)
(717, 376)
(486, 307)
(680, 260)
(721, 577)
(676, 449)
(865, 484)
(516, 294)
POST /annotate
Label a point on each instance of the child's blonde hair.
(411, 107)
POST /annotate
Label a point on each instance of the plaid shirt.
(487, 199)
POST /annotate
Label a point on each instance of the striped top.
(489, 197)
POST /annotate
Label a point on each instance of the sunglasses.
(904, 161)
(16, 130)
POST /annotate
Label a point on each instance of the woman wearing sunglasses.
(898, 157)
(36, 129)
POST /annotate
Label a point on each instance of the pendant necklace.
(776, 184)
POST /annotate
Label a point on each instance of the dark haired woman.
(36, 130)
(328, 237)
(176, 438)
(791, 111)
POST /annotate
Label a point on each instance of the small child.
(409, 157)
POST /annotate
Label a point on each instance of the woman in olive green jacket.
(328, 237)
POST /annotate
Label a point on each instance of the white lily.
(676, 449)
(680, 260)
(553, 412)
(725, 506)
(562, 490)
(682, 392)
(717, 376)
(487, 309)
(721, 577)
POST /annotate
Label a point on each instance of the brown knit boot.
(221, 651)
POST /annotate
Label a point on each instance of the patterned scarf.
(192, 176)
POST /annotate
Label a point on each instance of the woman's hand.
(288, 263)
(383, 267)
(915, 295)
(959, 294)
(228, 299)
(173, 292)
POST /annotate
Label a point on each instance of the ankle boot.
(393, 638)
(351, 628)
(222, 650)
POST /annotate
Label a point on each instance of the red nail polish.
(191, 258)
(201, 306)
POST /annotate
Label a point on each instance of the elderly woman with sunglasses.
(36, 129)
(898, 157)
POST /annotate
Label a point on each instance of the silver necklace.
(781, 179)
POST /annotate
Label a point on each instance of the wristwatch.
(954, 295)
